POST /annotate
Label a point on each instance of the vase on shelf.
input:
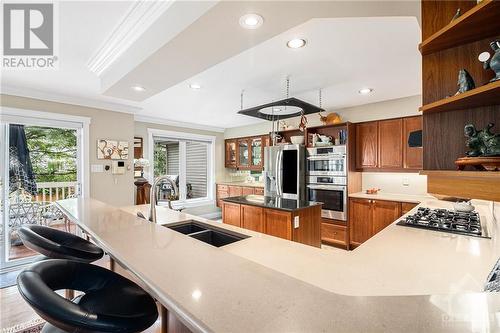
(494, 62)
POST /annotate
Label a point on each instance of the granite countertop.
(272, 202)
(281, 286)
(410, 198)
(243, 184)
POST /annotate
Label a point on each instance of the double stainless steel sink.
(207, 233)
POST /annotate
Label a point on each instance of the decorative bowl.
(297, 139)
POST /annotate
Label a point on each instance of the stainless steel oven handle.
(327, 187)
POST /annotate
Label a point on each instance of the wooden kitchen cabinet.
(230, 154)
(412, 156)
(252, 218)
(383, 145)
(222, 191)
(278, 223)
(384, 213)
(334, 234)
(360, 221)
(225, 191)
(407, 206)
(390, 144)
(231, 214)
(247, 190)
(258, 190)
(367, 217)
(246, 153)
(367, 145)
(235, 191)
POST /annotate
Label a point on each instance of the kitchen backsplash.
(395, 182)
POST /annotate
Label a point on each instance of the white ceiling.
(342, 55)
(83, 27)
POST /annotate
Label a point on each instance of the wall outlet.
(406, 181)
(296, 223)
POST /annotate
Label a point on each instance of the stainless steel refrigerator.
(284, 172)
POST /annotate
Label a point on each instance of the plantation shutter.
(197, 169)
(173, 159)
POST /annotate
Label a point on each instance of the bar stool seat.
(110, 302)
(57, 244)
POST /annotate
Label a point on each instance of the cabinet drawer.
(246, 190)
(224, 188)
(258, 191)
(333, 233)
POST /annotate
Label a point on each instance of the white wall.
(390, 182)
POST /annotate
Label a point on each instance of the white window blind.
(196, 169)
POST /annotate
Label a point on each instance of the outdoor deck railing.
(53, 191)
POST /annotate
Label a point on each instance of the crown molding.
(67, 99)
(139, 17)
(174, 123)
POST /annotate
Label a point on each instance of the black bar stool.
(110, 303)
(57, 244)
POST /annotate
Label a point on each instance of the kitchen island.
(267, 284)
(294, 220)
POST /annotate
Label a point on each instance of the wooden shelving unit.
(486, 95)
(478, 23)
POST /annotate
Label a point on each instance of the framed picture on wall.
(112, 149)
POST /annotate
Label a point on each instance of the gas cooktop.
(447, 221)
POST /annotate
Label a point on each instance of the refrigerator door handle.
(279, 189)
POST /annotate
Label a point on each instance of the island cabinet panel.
(360, 221)
(366, 145)
(278, 223)
(412, 156)
(390, 144)
(384, 213)
(231, 214)
(307, 232)
(252, 218)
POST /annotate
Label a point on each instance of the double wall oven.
(327, 180)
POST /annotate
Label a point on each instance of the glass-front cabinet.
(230, 160)
(243, 153)
(257, 152)
(246, 153)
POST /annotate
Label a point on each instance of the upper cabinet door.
(256, 152)
(412, 156)
(390, 143)
(243, 153)
(230, 159)
(366, 145)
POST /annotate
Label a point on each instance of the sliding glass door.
(186, 161)
(39, 164)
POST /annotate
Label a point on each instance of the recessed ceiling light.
(251, 21)
(195, 86)
(139, 88)
(365, 91)
(296, 43)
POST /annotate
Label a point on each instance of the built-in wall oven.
(327, 181)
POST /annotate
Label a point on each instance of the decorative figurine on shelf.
(303, 122)
(483, 142)
(494, 62)
(330, 119)
(457, 15)
(285, 126)
(465, 82)
(484, 149)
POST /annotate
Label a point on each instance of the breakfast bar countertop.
(271, 202)
(281, 286)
